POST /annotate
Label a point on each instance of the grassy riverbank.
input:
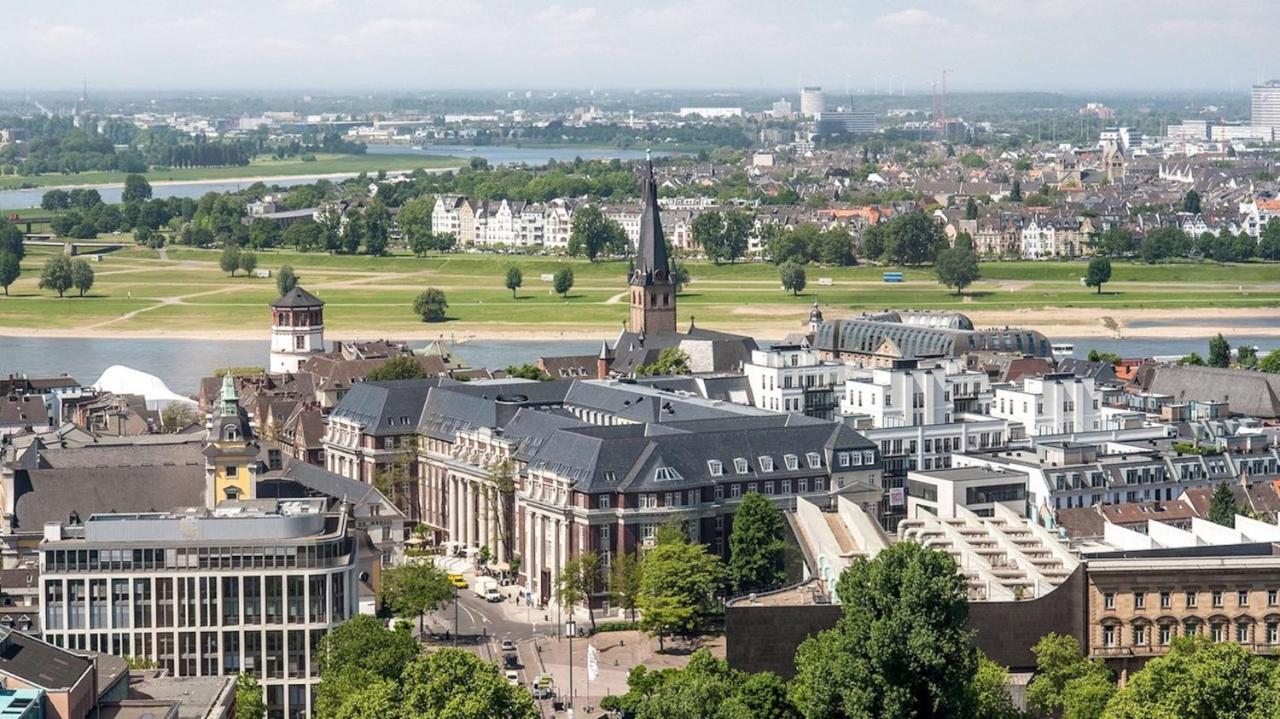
(140, 293)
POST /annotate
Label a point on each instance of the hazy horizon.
(1063, 46)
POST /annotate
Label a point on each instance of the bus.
(893, 277)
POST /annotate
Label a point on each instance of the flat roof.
(966, 474)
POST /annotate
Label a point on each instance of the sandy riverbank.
(1054, 323)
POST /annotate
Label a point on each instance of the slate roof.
(1246, 391)
(119, 478)
(39, 663)
(628, 457)
(386, 408)
(300, 479)
(297, 297)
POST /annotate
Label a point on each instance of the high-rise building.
(812, 101)
(1266, 105)
(846, 122)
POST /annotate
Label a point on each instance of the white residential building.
(557, 224)
(791, 378)
(1053, 404)
(912, 393)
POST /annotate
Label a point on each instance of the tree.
(457, 684)
(1246, 355)
(1015, 193)
(624, 582)
(991, 691)
(377, 227)
(957, 267)
(579, 578)
(679, 276)
(736, 235)
(1191, 202)
(591, 234)
(286, 279)
(402, 367)
(178, 415)
(705, 688)
(430, 305)
(1065, 677)
(357, 654)
(835, 247)
(562, 281)
(1108, 357)
(1099, 273)
(670, 361)
(1269, 240)
(970, 209)
(57, 275)
(264, 233)
(792, 276)
(515, 278)
(412, 590)
(81, 276)
(1199, 678)
(678, 584)
(1222, 505)
(11, 240)
(1116, 242)
(1271, 363)
(901, 648)
(1219, 352)
(707, 230)
(414, 220)
(248, 262)
(1192, 360)
(912, 238)
(527, 370)
(136, 189)
(249, 701)
(230, 260)
(54, 200)
(756, 545)
(304, 236)
(10, 269)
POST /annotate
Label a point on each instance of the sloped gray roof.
(1245, 391)
(297, 297)
(386, 408)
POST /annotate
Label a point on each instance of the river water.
(181, 363)
(495, 155)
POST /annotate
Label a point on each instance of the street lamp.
(570, 629)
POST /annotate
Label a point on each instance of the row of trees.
(1166, 243)
(61, 273)
(1245, 357)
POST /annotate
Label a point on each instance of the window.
(1108, 636)
(855, 458)
(1272, 597)
(1166, 634)
(818, 484)
(1242, 632)
(1139, 600)
(715, 468)
(1166, 600)
(791, 461)
(666, 474)
(740, 465)
(1217, 602)
(1217, 632)
(786, 486)
(1109, 601)
(843, 457)
(1141, 635)
(1191, 600)
(1273, 632)
(804, 485)
(646, 533)
(766, 464)
(768, 487)
(719, 491)
(868, 457)
(814, 459)
(735, 490)
(1242, 598)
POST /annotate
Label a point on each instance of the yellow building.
(231, 458)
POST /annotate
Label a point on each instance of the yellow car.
(457, 581)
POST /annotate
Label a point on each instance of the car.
(510, 661)
(458, 582)
(507, 645)
(513, 678)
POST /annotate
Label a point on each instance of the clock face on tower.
(659, 275)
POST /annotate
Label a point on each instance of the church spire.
(653, 265)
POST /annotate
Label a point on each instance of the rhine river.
(181, 363)
(495, 155)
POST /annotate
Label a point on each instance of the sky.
(859, 45)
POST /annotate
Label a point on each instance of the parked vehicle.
(486, 587)
(507, 645)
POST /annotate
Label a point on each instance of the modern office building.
(846, 122)
(251, 586)
(793, 379)
(1266, 105)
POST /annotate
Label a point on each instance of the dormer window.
(791, 461)
(715, 468)
(814, 460)
(231, 432)
(766, 464)
(666, 474)
(740, 465)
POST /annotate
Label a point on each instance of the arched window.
(231, 432)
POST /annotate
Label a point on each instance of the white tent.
(119, 379)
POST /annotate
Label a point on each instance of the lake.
(22, 199)
(181, 363)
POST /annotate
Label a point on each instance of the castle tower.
(297, 329)
(815, 318)
(653, 294)
(231, 457)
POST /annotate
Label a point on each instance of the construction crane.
(944, 102)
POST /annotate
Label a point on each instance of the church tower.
(297, 329)
(653, 294)
(231, 457)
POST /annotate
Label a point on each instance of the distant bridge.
(30, 220)
(74, 247)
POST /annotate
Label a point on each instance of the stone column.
(469, 497)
